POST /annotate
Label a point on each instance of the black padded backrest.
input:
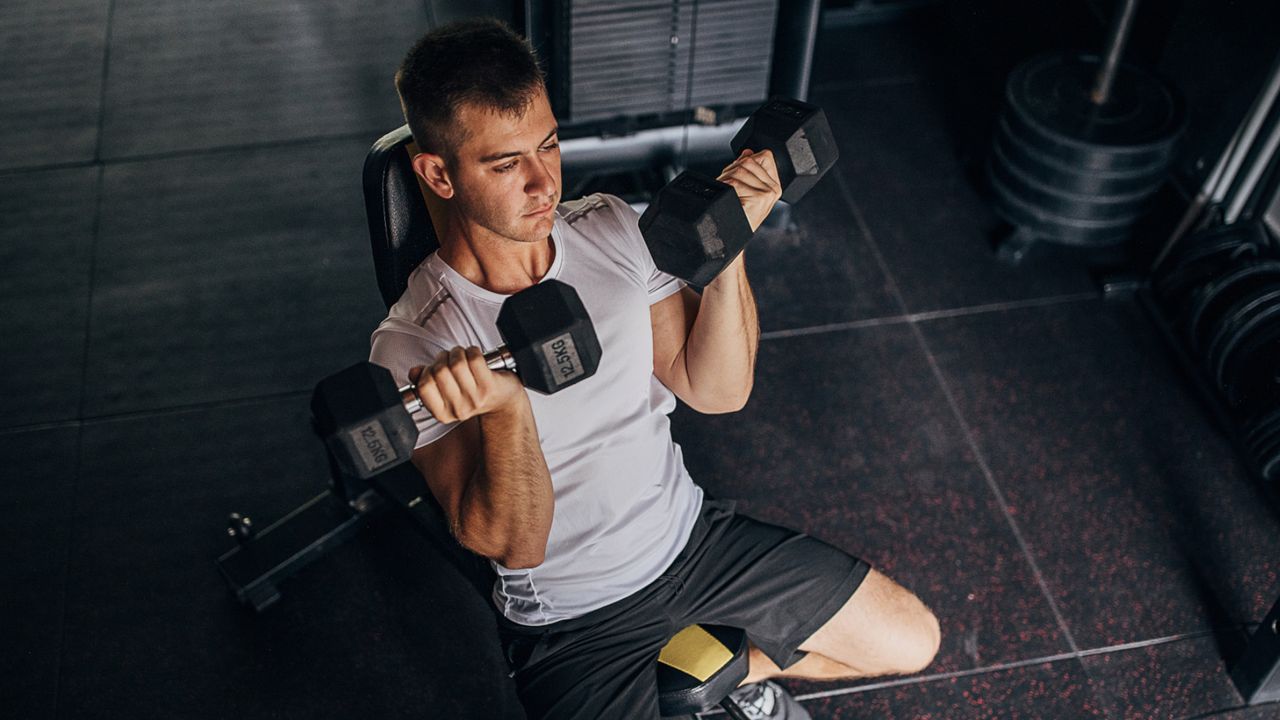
(399, 226)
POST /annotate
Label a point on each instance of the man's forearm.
(507, 507)
(720, 354)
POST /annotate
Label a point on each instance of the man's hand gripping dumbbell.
(696, 226)
(367, 421)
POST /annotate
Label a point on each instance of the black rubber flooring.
(183, 254)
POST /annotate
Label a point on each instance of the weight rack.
(1224, 197)
(1256, 673)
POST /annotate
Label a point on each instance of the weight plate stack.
(1262, 437)
(1069, 171)
(1249, 369)
(1202, 256)
(1248, 319)
(1211, 302)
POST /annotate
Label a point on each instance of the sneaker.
(768, 701)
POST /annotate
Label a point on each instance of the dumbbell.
(695, 225)
(365, 420)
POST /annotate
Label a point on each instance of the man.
(603, 545)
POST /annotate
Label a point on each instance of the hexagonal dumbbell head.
(694, 227)
(549, 334)
(800, 138)
(365, 419)
(361, 416)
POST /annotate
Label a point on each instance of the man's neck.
(495, 263)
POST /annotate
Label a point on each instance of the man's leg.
(883, 629)
(608, 672)
(811, 667)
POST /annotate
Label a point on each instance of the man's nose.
(541, 182)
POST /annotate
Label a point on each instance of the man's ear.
(431, 170)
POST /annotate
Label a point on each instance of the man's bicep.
(672, 319)
(449, 464)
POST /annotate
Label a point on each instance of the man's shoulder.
(423, 297)
(609, 222)
(424, 321)
(593, 209)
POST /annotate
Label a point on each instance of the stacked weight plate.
(1223, 290)
(1065, 170)
(1204, 256)
(1262, 436)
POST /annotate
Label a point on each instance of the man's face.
(507, 172)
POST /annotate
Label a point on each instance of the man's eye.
(550, 146)
(506, 168)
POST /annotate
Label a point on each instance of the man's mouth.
(541, 211)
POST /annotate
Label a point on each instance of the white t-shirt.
(624, 502)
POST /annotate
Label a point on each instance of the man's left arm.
(704, 348)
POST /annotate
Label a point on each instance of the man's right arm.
(488, 473)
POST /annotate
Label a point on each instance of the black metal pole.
(1115, 48)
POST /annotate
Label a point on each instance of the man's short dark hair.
(475, 62)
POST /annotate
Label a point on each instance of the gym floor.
(183, 254)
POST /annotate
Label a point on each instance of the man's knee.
(883, 629)
(914, 631)
(922, 636)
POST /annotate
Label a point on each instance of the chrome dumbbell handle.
(500, 359)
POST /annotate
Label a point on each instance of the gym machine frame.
(264, 558)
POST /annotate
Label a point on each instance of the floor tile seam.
(67, 424)
(151, 412)
(835, 327)
(1218, 713)
(102, 89)
(96, 230)
(1002, 306)
(47, 167)
(994, 487)
(188, 153)
(970, 439)
(1158, 641)
(770, 335)
(1000, 667)
(214, 150)
(928, 316)
(937, 677)
(1098, 690)
(195, 407)
(69, 539)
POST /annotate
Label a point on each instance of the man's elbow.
(518, 557)
(724, 403)
(510, 558)
(522, 560)
(503, 553)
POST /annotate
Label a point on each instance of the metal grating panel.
(633, 57)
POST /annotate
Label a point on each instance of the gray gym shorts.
(778, 585)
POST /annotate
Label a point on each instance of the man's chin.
(538, 227)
